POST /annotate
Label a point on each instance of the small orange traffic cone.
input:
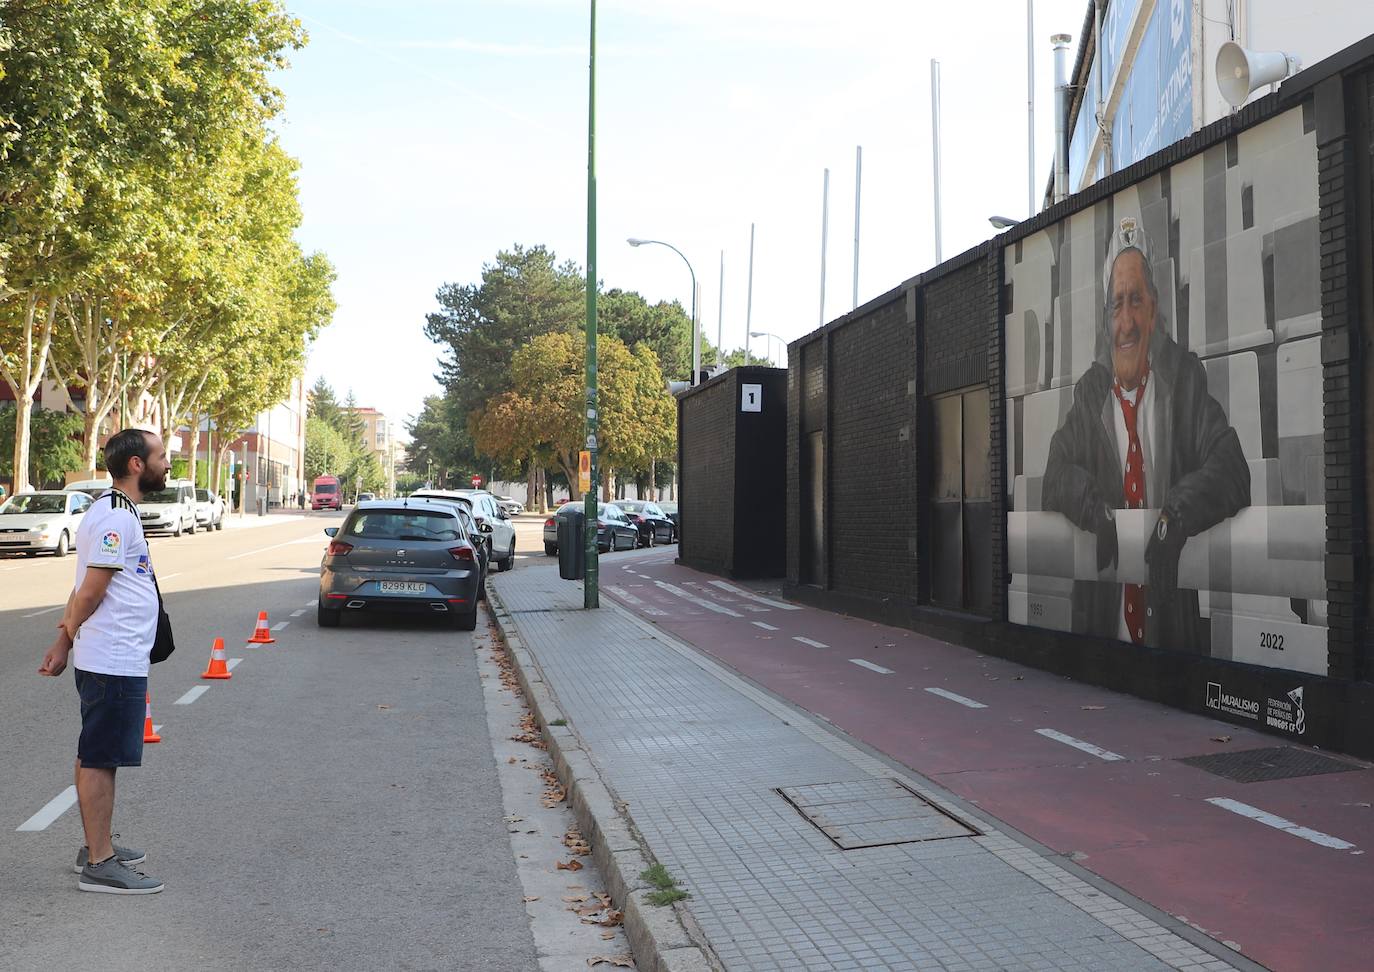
(217, 667)
(261, 636)
(149, 736)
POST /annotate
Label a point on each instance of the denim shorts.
(112, 713)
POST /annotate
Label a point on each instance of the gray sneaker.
(113, 877)
(126, 855)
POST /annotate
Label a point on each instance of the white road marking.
(192, 695)
(274, 546)
(170, 576)
(298, 612)
(279, 625)
(1086, 747)
(54, 808)
(15, 567)
(764, 625)
(699, 601)
(1279, 823)
(310, 604)
(808, 641)
(635, 602)
(954, 697)
(45, 611)
(756, 598)
(231, 663)
(157, 728)
(870, 666)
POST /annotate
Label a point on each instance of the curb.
(662, 939)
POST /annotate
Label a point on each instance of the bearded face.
(155, 468)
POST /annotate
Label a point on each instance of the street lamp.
(768, 334)
(696, 324)
(1002, 222)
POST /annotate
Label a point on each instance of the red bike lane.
(1091, 774)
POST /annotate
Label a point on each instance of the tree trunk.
(90, 440)
(23, 414)
(653, 479)
(531, 480)
(191, 453)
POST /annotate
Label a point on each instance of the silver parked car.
(44, 519)
(401, 555)
(209, 509)
(511, 506)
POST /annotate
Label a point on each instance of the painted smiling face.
(1133, 307)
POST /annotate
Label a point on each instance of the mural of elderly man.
(1143, 433)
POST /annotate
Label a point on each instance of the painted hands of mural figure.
(1161, 555)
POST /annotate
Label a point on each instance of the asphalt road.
(334, 805)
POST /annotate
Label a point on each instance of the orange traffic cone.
(149, 736)
(261, 636)
(217, 667)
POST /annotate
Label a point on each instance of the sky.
(432, 134)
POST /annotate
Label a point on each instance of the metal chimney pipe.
(1061, 43)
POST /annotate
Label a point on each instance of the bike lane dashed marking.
(956, 697)
(700, 601)
(637, 603)
(862, 663)
(1279, 823)
(809, 641)
(751, 596)
(764, 625)
(1087, 747)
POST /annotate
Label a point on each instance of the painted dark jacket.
(1199, 471)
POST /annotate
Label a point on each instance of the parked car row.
(619, 526)
(45, 520)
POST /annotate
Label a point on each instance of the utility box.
(572, 545)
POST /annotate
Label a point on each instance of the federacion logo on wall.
(1286, 714)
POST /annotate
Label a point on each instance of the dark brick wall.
(1361, 523)
(793, 525)
(706, 443)
(958, 312)
(872, 445)
(760, 476)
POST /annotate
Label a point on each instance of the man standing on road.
(111, 622)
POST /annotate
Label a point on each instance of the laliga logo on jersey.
(109, 544)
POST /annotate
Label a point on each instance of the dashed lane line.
(956, 697)
(45, 611)
(699, 601)
(809, 641)
(756, 598)
(231, 663)
(764, 625)
(53, 809)
(635, 602)
(192, 695)
(870, 666)
(279, 625)
(274, 546)
(1079, 744)
(298, 612)
(1279, 823)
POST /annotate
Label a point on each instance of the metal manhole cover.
(873, 813)
(1272, 763)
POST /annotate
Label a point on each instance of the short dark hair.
(123, 446)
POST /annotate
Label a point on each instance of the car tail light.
(637, 519)
(550, 522)
(337, 548)
(463, 552)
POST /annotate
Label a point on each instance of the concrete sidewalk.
(710, 775)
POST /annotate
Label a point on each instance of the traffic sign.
(476, 482)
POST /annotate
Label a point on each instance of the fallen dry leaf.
(619, 961)
(1221, 739)
(383, 706)
(607, 935)
(530, 897)
(1092, 708)
(572, 865)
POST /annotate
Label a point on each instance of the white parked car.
(493, 523)
(513, 507)
(209, 509)
(171, 509)
(42, 520)
(94, 488)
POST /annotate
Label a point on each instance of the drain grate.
(874, 813)
(1273, 763)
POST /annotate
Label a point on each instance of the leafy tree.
(439, 441)
(54, 451)
(523, 294)
(326, 452)
(541, 416)
(351, 424)
(664, 327)
(324, 406)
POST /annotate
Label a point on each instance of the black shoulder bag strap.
(163, 643)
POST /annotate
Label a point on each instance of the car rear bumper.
(444, 593)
